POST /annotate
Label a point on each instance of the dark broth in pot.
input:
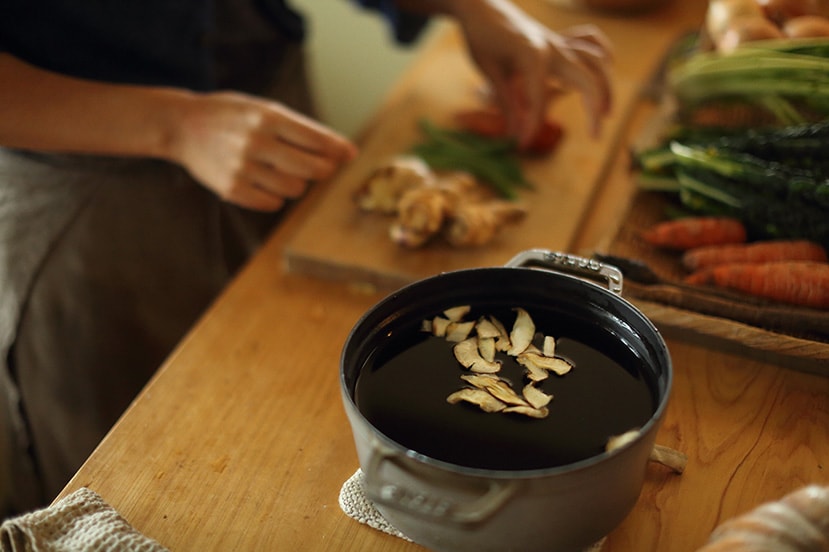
(402, 388)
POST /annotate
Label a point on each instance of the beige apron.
(104, 265)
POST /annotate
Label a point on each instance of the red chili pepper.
(493, 124)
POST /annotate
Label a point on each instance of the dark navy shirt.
(156, 42)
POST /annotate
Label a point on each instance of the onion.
(806, 26)
(781, 11)
(747, 29)
(723, 15)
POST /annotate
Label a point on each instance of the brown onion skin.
(806, 26)
(747, 30)
(781, 11)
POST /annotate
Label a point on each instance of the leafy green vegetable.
(491, 160)
(775, 180)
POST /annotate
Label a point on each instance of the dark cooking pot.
(449, 506)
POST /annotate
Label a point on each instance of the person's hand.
(527, 63)
(253, 152)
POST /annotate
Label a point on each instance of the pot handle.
(423, 505)
(567, 263)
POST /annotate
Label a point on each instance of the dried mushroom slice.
(548, 348)
(537, 361)
(486, 329)
(616, 441)
(439, 326)
(486, 346)
(560, 366)
(535, 373)
(456, 314)
(502, 342)
(459, 331)
(479, 397)
(466, 352)
(476, 346)
(535, 396)
(523, 331)
(528, 411)
(498, 387)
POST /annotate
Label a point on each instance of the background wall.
(353, 60)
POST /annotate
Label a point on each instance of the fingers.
(526, 77)
(594, 76)
(258, 186)
(590, 33)
(584, 64)
(306, 134)
(285, 154)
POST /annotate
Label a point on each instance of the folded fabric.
(356, 505)
(80, 522)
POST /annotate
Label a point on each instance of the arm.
(525, 61)
(249, 151)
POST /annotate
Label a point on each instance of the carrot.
(757, 252)
(492, 124)
(689, 232)
(804, 283)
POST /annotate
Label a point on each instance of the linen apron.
(105, 263)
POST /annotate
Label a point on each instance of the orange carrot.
(804, 283)
(492, 123)
(757, 252)
(690, 232)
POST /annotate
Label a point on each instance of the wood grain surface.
(338, 241)
(240, 441)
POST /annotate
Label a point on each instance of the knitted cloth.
(80, 522)
(356, 505)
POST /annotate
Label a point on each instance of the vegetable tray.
(794, 337)
(791, 336)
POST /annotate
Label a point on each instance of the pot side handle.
(433, 507)
(574, 265)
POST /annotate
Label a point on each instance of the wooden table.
(240, 441)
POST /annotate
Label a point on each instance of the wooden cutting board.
(338, 241)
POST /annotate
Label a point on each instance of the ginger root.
(474, 224)
(799, 522)
(382, 190)
(428, 205)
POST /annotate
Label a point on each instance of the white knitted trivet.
(356, 505)
(80, 522)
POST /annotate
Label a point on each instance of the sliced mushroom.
(539, 361)
(456, 314)
(549, 346)
(458, 331)
(486, 346)
(502, 342)
(486, 329)
(479, 397)
(523, 331)
(499, 388)
(439, 326)
(535, 396)
(616, 441)
(466, 352)
(535, 374)
(528, 411)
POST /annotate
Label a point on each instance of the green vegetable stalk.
(492, 160)
(775, 180)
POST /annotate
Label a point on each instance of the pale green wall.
(353, 60)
